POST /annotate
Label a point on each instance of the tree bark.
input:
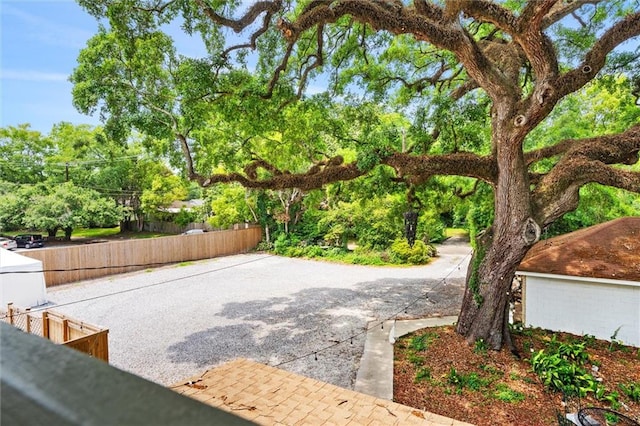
(501, 248)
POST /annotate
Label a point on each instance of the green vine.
(474, 280)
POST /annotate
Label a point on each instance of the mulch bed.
(485, 387)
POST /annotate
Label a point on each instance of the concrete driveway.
(172, 323)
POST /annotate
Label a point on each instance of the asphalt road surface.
(174, 323)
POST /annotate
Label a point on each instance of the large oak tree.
(517, 58)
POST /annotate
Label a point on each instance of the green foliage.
(562, 375)
(474, 280)
(229, 204)
(67, 207)
(414, 359)
(631, 390)
(185, 217)
(23, 152)
(421, 253)
(430, 227)
(560, 366)
(164, 190)
(480, 347)
(422, 342)
(480, 215)
(470, 381)
(506, 394)
(423, 374)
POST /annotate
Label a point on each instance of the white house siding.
(583, 306)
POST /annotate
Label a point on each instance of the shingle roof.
(608, 250)
(268, 396)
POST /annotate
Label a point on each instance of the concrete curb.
(375, 375)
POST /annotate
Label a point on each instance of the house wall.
(581, 306)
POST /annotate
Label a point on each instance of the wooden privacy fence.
(76, 263)
(61, 329)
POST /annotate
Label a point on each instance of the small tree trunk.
(67, 233)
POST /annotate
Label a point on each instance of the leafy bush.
(560, 366)
(400, 252)
(314, 251)
(264, 246)
(430, 227)
(284, 242)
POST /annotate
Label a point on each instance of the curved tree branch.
(247, 19)
(417, 169)
(585, 161)
(595, 59)
(488, 11)
(332, 170)
(266, 23)
(562, 9)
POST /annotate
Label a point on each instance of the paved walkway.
(375, 375)
(270, 396)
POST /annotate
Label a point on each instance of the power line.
(131, 289)
(423, 296)
(379, 322)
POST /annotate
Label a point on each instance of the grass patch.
(93, 232)
(506, 394)
(423, 374)
(456, 232)
(421, 342)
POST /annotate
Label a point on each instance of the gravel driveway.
(173, 323)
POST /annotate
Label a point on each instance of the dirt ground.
(485, 387)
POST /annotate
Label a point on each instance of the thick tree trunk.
(51, 234)
(501, 248)
(493, 266)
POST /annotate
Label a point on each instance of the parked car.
(29, 240)
(8, 243)
(193, 231)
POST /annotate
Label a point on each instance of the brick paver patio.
(270, 396)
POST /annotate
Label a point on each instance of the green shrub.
(430, 227)
(264, 246)
(560, 368)
(313, 251)
(400, 252)
(284, 242)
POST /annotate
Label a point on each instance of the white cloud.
(30, 75)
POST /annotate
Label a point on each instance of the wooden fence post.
(45, 324)
(28, 324)
(65, 330)
(10, 312)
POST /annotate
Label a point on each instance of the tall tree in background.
(22, 154)
(502, 66)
